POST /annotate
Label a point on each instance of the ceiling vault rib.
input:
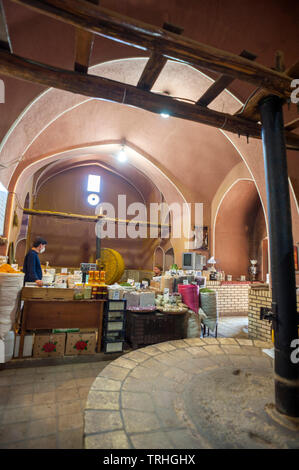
(163, 44)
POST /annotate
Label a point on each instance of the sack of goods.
(208, 300)
(190, 295)
(11, 284)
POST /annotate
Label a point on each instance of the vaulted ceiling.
(195, 157)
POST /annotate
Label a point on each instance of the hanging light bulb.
(122, 156)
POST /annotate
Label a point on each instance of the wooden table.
(48, 314)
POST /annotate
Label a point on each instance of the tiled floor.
(42, 407)
(232, 326)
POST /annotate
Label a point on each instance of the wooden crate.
(49, 345)
(80, 343)
(47, 293)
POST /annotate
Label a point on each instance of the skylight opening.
(94, 182)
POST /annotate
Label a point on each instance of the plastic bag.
(10, 293)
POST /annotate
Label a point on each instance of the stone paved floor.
(42, 407)
(161, 397)
(232, 326)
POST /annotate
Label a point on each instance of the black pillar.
(281, 255)
(98, 247)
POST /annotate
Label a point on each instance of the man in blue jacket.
(31, 266)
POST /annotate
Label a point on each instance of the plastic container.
(9, 342)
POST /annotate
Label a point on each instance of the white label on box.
(166, 290)
(114, 347)
(63, 270)
(145, 283)
(131, 281)
(115, 295)
(115, 326)
(185, 281)
(116, 305)
(137, 285)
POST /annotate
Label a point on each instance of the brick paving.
(139, 400)
(42, 407)
(130, 400)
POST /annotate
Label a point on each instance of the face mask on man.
(42, 249)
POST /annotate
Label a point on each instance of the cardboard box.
(80, 343)
(28, 345)
(155, 285)
(167, 283)
(49, 345)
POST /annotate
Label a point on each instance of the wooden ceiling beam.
(155, 63)
(250, 109)
(4, 35)
(84, 45)
(90, 218)
(129, 31)
(111, 90)
(220, 84)
(292, 125)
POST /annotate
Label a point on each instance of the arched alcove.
(239, 230)
(169, 258)
(159, 257)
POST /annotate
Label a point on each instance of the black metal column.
(282, 256)
(98, 247)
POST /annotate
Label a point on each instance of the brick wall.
(231, 298)
(260, 297)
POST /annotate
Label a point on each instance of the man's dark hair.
(39, 241)
(159, 267)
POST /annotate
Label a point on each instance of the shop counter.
(44, 314)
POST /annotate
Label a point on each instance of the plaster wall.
(73, 242)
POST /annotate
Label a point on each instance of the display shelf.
(114, 326)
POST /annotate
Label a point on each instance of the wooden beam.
(62, 215)
(4, 36)
(292, 125)
(107, 89)
(123, 29)
(220, 84)
(250, 110)
(111, 90)
(151, 71)
(84, 45)
(89, 218)
(155, 63)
